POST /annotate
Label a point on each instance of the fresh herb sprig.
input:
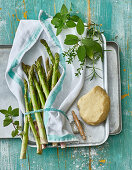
(83, 46)
(9, 114)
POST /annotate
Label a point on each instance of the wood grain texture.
(116, 19)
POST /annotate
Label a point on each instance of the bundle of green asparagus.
(41, 82)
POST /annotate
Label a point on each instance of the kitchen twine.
(47, 109)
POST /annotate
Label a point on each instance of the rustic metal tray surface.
(114, 91)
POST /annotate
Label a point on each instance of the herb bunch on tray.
(84, 45)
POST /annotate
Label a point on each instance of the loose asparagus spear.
(28, 118)
(38, 117)
(55, 70)
(43, 83)
(50, 54)
(24, 139)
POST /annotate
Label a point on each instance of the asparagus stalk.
(54, 80)
(50, 54)
(49, 76)
(47, 65)
(28, 119)
(39, 70)
(38, 117)
(55, 70)
(24, 139)
(36, 83)
(48, 50)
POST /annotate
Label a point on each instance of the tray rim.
(117, 131)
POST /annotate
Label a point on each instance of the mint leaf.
(4, 111)
(80, 27)
(15, 112)
(59, 29)
(55, 21)
(71, 39)
(14, 133)
(81, 52)
(74, 18)
(7, 121)
(70, 24)
(16, 123)
(9, 109)
(64, 9)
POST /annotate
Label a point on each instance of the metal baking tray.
(113, 89)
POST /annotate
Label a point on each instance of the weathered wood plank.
(116, 153)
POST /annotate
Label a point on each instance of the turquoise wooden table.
(116, 19)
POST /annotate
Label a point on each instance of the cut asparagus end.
(63, 145)
(54, 144)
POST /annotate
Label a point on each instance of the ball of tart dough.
(94, 106)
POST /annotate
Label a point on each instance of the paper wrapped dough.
(94, 106)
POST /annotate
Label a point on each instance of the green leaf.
(4, 111)
(9, 109)
(70, 24)
(74, 18)
(59, 29)
(57, 15)
(16, 123)
(71, 39)
(81, 52)
(64, 9)
(7, 121)
(55, 21)
(92, 47)
(14, 133)
(80, 27)
(15, 112)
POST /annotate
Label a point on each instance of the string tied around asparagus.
(47, 109)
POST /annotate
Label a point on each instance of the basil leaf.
(70, 24)
(64, 9)
(59, 29)
(14, 133)
(81, 52)
(7, 121)
(16, 123)
(80, 27)
(4, 111)
(55, 21)
(74, 18)
(71, 39)
(15, 112)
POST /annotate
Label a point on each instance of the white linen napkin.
(27, 48)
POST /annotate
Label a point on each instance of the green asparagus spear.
(28, 119)
(47, 64)
(38, 117)
(48, 50)
(36, 83)
(24, 139)
(50, 54)
(43, 83)
(55, 70)
(49, 76)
